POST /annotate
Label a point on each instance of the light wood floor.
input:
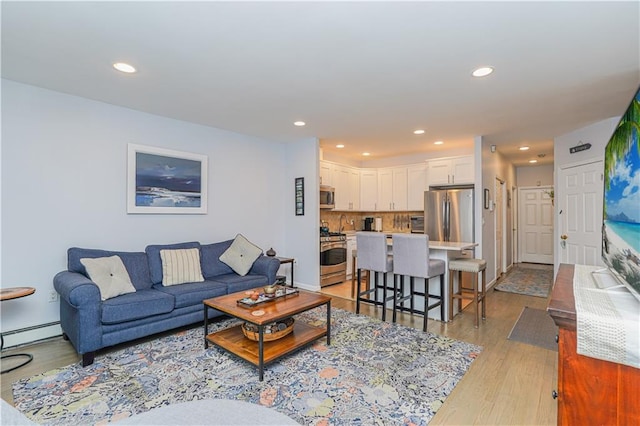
(509, 384)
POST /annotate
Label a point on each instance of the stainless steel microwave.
(327, 197)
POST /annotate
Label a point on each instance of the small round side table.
(10, 294)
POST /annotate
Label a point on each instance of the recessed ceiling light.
(523, 148)
(366, 154)
(418, 132)
(482, 71)
(340, 146)
(533, 161)
(438, 142)
(299, 123)
(122, 67)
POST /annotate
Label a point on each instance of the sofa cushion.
(133, 306)
(110, 276)
(155, 262)
(193, 293)
(210, 259)
(181, 266)
(235, 282)
(135, 262)
(241, 254)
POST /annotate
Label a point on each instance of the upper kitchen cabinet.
(346, 181)
(416, 185)
(368, 189)
(451, 171)
(392, 189)
(325, 173)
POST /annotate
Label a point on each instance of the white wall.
(396, 161)
(535, 175)
(494, 165)
(302, 161)
(64, 162)
(597, 135)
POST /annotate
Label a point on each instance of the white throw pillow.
(240, 255)
(181, 266)
(109, 274)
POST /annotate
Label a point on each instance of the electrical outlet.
(53, 296)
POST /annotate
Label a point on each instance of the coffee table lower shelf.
(233, 340)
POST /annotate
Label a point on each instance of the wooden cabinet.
(416, 185)
(590, 391)
(368, 189)
(451, 171)
(392, 189)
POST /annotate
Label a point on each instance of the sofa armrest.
(268, 266)
(80, 310)
(76, 289)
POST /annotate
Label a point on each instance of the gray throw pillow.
(110, 276)
(240, 255)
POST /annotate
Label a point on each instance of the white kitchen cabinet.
(416, 185)
(351, 246)
(340, 181)
(325, 173)
(463, 169)
(354, 189)
(392, 189)
(368, 189)
(451, 171)
(346, 181)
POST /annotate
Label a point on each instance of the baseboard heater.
(39, 336)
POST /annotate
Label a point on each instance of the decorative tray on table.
(265, 298)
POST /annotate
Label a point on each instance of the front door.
(536, 225)
(580, 213)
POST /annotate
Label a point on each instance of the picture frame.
(299, 196)
(487, 195)
(164, 181)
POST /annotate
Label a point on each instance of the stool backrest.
(372, 252)
(411, 254)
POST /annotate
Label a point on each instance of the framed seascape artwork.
(163, 181)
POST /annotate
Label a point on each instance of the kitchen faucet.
(340, 226)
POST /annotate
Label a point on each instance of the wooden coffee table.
(260, 353)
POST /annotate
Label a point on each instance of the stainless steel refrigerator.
(448, 214)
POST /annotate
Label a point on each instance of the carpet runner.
(529, 281)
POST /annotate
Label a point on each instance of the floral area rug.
(372, 373)
(529, 281)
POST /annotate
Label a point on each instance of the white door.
(536, 225)
(580, 213)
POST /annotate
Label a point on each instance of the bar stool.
(474, 266)
(354, 263)
(373, 256)
(411, 257)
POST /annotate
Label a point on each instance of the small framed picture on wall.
(299, 194)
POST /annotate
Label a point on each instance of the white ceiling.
(365, 74)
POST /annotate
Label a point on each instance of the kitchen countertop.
(435, 245)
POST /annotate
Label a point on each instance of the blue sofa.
(91, 324)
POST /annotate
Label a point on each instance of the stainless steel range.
(333, 258)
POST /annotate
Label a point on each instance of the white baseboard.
(31, 335)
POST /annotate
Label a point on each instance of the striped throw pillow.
(181, 266)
